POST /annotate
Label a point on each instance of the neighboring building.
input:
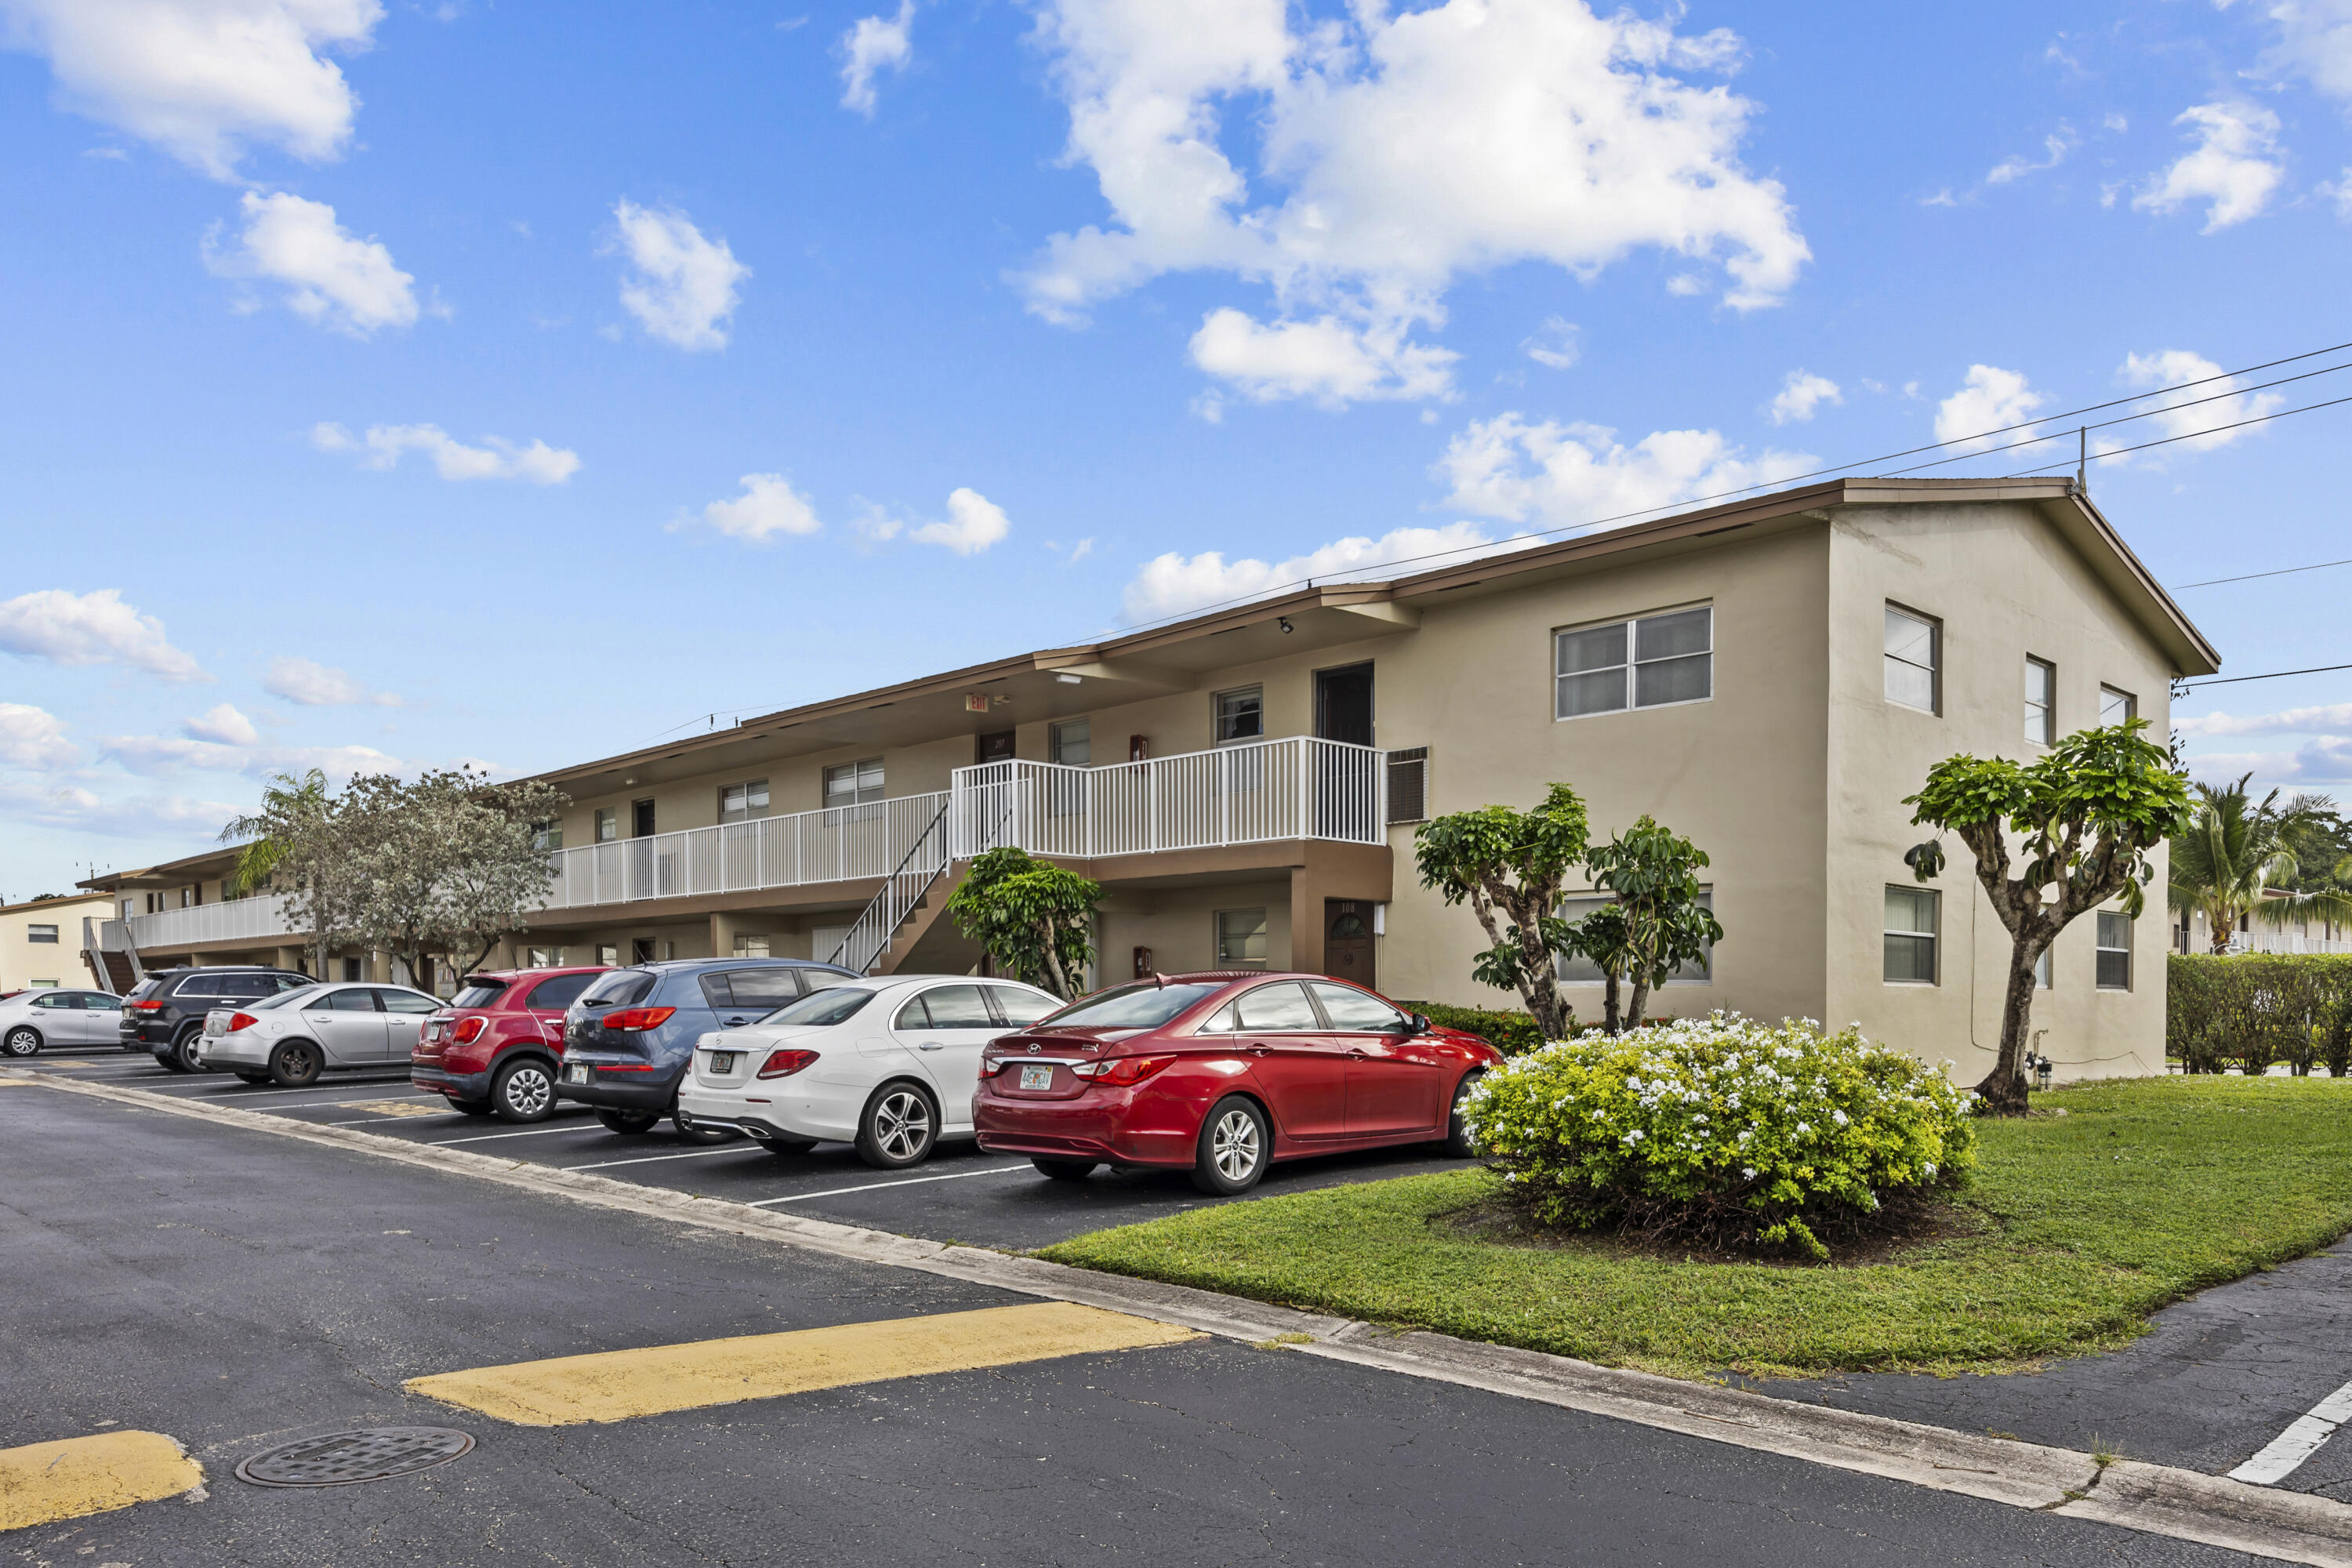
(2310, 935)
(41, 941)
(1768, 678)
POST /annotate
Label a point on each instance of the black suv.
(165, 1011)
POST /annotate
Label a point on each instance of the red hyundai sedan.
(1223, 1074)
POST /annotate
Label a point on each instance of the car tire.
(252, 1075)
(899, 1126)
(472, 1107)
(295, 1064)
(1456, 1143)
(1235, 1144)
(24, 1040)
(1065, 1170)
(523, 1091)
(789, 1147)
(627, 1120)
(185, 1045)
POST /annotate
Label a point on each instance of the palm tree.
(289, 825)
(2235, 852)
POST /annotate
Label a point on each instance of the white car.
(295, 1036)
(890, 1064)
(51, 1015)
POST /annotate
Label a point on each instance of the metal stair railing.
(868, 937)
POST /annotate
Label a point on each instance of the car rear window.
(557, 993)
(140, 992)
(621, 988)
(1137, 1006)
(831, 1006)
(1021, 1007)
(284, 998)
(751, 988)
(229, 987)
(478, 991)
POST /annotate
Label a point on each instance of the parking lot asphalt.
(235, 1291)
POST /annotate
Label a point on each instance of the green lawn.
(2144, 1191)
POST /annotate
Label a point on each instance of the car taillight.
(1121, 1071)
(145, 1006)
(468, 1030)
(634, 1019)
(783, 1064)
(241, 1021)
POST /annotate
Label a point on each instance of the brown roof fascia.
(2186, 629)
(51, 904)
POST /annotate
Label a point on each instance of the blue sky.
(394, 383)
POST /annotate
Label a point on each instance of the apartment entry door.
(1345, 788)
(993, 748)
(1348, 941)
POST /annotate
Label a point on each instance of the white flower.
(1839, 1117)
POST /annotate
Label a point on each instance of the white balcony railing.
(842, 843)
(261, 918)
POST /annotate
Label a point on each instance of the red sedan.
(1223, 1074)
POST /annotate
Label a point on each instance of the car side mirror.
(1421, 1025)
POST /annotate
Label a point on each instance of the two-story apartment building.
(1770, 677)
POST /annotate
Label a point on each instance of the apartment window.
(854, 783)
(1241, 715)
(2114, 951)
(545, 958)
(1914, 661)
(1652, 662)
(608, 824)
(1581, 971)
(2117, 707)
(640, 949)
(2042, 971)
(1071, 743)
(39, 984)
(2040, 702)
(1409, 785)
(1911, 936)
(354, 968)
(742, 802)
(40, 933)
(1240, 937)
(546, 836)
(751, 944)
(187, 898)
(607, 954)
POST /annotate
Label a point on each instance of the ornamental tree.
(1033, 918)
(447, 864)
(1655, 926)
(1509, 865)
(295, 844)
(2083, 820)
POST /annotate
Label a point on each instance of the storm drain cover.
(340, 1458)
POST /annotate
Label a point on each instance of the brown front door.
(996, 748)
(1348, 941)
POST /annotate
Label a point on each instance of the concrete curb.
(2155, 1500)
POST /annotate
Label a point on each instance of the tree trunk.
(1640, 1004)
(1608, 1019)
(2003, 1089)
(1058, 981)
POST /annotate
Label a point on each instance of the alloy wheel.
(902, 1124)
(527, 1093)
(24, 1042)
(1234, 1145)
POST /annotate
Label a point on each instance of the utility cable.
(2281, 572)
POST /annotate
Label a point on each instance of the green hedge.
(2254, 1010)
(1512, 1033)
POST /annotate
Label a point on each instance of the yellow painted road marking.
(396, 1107)
(43, 1482)
(616, 1386)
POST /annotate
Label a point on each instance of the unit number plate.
(578, 1074)
(1036, 1078)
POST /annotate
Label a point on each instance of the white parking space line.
(583, 1125)
(689, 1154)
(877, 1186)
(371, 1120)
(2285, 1453)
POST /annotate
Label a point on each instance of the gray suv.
(165, 1011)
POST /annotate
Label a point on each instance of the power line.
(2273, 675)
(2281, 572)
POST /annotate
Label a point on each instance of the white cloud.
(973, 523)
(96, 628)
(2325, 719)
(1568, 474)
(80, 809)
(682, 286)
(2324, 760)
(1801, 395)
(332, 278)
(314, 685)
(496, 459)
(1326, 359)
(151, 754)
(1171, 585)
(875, 43)
(2314, 42)
(2198, 424)
(34, 738)
(2233, 166)
(768, 506)
(2055, 148)
(203, 79)
(1989, 399)
(1395, 154)
(222, 724)
(1556, 348)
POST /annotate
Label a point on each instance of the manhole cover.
(340, 1458)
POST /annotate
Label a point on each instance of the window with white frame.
(607, 954)
(1915, 660)
(1241, 715)
(752, 944)
(1581, 971)
(2117, 707)
(1655, 661)
(742, 802)
(1911, 932)
(2042, 971)
(2114, 951)
(2040, 702)
(40, 933)
(854, 783)
(546, 836)
(1240, 937)
(1071, 743)
(608, 824)
(544, 958)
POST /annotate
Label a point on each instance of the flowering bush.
(1722, 1129)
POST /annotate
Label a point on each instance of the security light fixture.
(1283, 622)
(1066, 679)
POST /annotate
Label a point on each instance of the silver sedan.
(57, 1016)
(290, 1038)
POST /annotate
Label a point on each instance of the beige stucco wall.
(1179, 924)
(23, 961)
(2006, 586)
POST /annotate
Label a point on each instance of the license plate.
(723, 1061)
(1036, 1078)
(578, 1074)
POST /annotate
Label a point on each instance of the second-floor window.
(2117, 707)
(1651, 662)
(1241, 715)
(1071, 743)
(608, 824)
(545, 835)
(2114, 951)
(1915, 648)
(742, 802)
(40, 933)
(2040, 702)
(854, 783)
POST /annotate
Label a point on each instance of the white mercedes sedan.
(890, 1064)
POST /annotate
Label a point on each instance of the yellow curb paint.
(616, 1386)
(43, 1482)
(396, 1107)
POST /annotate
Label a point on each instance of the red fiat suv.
(497, 1044)
(1223, 1074)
